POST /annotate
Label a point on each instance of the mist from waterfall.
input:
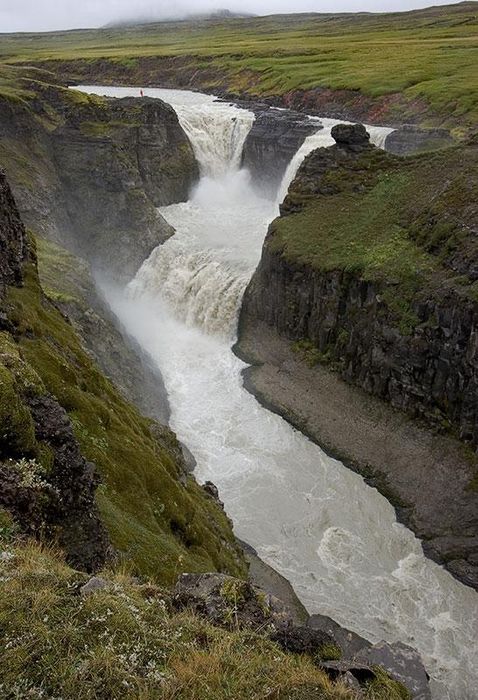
(336, 539)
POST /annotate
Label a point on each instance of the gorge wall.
(89, 172)
(364, 276)
(207, 75)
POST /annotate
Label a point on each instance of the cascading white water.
(333, 537)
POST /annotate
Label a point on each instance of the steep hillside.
(60, 416)
(119, 637)
(371, 272)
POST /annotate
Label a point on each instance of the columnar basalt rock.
(89, 172)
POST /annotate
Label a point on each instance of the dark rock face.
(12, 238)
(348, 641)
(433, 367)
(402, 663)
(58, 502)
(114, 173)
(74, 514)
(89, 174)
(271, 144)
(410, 139)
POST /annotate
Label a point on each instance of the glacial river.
(335, 538)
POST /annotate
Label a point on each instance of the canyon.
(308, 516)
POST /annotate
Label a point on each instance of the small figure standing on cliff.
(141, 92)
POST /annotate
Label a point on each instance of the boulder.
(94, 584)
(350, 135)
(402, 663)
(299, 639)
(348, 641)
(228, 601)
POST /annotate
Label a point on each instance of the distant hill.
(195, 16)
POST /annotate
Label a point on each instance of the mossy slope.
(154, 520)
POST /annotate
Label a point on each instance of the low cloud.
(44, 15)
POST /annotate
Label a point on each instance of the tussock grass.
(126, 642)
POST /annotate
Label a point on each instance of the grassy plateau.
(426, 57)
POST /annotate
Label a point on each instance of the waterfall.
(200, 275)
(316, 522)
(217, 135)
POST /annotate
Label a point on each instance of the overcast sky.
(41, 15)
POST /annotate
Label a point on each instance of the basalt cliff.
(361, 323)
(88, 172)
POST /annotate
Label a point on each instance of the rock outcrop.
(410, 139)
(275, 137)
(89, 172)
(12, 238)
(54, 498)
(343, 655)
(361, 273)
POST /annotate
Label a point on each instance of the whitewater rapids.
(336, 539)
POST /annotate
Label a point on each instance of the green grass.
(428, 57)
(157, 524)
(392, 221)
(126, 641)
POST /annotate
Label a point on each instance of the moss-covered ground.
(426, 56)
(392, 220)
(126, 641)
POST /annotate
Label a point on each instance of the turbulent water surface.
(336, 539)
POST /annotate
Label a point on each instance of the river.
(336, 539)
